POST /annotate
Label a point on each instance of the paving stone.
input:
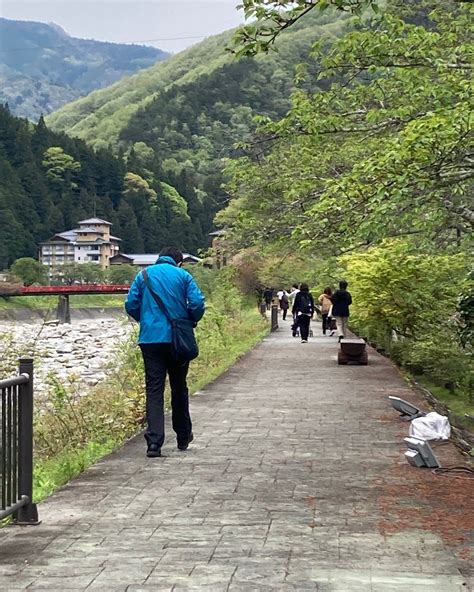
(296, 481)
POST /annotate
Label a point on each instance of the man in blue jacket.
(182, 299)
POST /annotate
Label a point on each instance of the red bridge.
(65, 290)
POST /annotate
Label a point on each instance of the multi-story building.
(91, 242)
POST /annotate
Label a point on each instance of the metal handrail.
(15, 380)
(16, 452)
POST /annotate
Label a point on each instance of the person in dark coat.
(284, 304)
(303, 311)
(268, 297)
(341, 300)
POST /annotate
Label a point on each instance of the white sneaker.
(304, 341)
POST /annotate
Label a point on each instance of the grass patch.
(458, 402)
(50, 474)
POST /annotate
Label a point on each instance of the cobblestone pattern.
(284, 488)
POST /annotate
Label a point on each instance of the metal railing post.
(27, 514)
(274, 318)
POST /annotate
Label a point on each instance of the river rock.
(64, 348)
(80, 354)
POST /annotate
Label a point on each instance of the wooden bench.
(353, 350)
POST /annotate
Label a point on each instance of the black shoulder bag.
(184, 346)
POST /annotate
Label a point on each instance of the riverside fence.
(16, 453)
(274, 317)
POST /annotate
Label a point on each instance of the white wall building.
(91, 242)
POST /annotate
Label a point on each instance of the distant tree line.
(48, 182)
(29, 271)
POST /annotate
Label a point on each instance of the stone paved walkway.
(296, 481)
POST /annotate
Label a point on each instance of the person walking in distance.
(303, 310)
(341, 300)
(181, 298)
(268, 297)
(284, 304)
(291, 296)
(326, 304)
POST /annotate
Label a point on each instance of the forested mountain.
(49, 181)
(186, 114)
(42, 67)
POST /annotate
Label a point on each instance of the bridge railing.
(16, 448)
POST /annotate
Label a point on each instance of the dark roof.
(97, 241)
(58, 238)
(121, 256)
(95, 221)
(150, 258)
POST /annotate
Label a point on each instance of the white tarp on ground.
(432, 426)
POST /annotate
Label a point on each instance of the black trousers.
(158, 362)
(285, 312)
(326, 322)
(303, 323)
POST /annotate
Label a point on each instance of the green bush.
(406, 303)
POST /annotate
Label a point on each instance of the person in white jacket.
(292, 296)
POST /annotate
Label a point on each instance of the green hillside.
(177, 121)
(100, 117)
(42, 67)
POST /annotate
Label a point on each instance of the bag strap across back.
(158, 300)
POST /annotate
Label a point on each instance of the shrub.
(406, 303)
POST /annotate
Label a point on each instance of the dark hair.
(304, 288)
(172, 252)
(328, 291)
(295, 286)
(343, 284)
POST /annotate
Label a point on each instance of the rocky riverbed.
(79, 355)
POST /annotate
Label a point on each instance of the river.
(79, 355)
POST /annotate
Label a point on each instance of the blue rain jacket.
(178, 291)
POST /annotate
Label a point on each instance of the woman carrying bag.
(326, 305)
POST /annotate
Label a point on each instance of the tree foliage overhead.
(385, 150)
(268, 18)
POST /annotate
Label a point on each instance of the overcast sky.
(156, 22)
